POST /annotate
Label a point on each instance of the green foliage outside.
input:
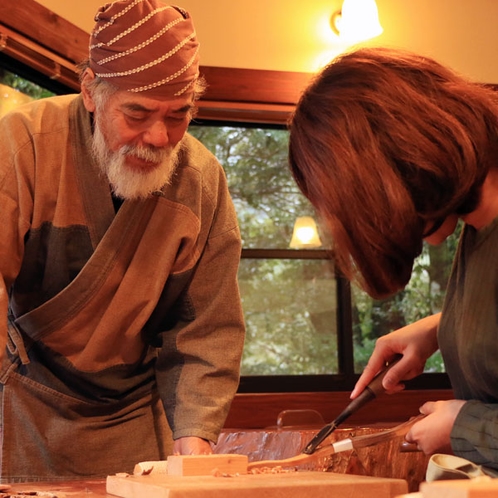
(27, 87)
(266, 199)
(290, 314)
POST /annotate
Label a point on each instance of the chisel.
(370, 392)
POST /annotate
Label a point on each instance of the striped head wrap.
(146, 47)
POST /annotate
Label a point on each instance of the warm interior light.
(305, 234)
(357, 21)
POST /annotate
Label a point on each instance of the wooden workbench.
(65, 489)
(384, 461)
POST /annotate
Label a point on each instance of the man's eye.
(135, 117)
(177, 118)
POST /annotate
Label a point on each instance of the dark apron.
(47, 435)
(62, 415)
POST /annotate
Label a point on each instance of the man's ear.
(88, 77)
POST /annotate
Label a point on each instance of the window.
(307, 329)
(289, 296)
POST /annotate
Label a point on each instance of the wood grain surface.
(284, 485)
(62, 489)
(205, 465)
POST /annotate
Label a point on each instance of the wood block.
(204, 465)
(484, 487)
(285, 485)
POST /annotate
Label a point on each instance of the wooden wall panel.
(41, 25)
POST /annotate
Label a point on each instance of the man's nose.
(156, 134)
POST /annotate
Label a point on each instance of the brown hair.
(382, 143)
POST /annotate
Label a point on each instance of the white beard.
(131, 184)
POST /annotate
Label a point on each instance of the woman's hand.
(432, 433)
(416, 342)
(191, 446)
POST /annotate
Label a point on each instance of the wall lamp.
(357, 21)
(305, 235)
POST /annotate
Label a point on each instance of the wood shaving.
(272, 470)
(217, 473)
(263, 470)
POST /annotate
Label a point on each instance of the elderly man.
(119, 251)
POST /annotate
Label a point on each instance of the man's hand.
(432, 433)
(192, 446)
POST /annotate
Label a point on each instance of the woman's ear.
(88, 77)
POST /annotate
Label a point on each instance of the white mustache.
(145, 153)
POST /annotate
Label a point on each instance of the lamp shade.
(358, 21)
(305, 235)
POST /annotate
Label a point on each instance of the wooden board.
(285, 485)
(465, 488)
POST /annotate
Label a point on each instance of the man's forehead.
(137, 100)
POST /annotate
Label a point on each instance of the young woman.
(392, 148)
